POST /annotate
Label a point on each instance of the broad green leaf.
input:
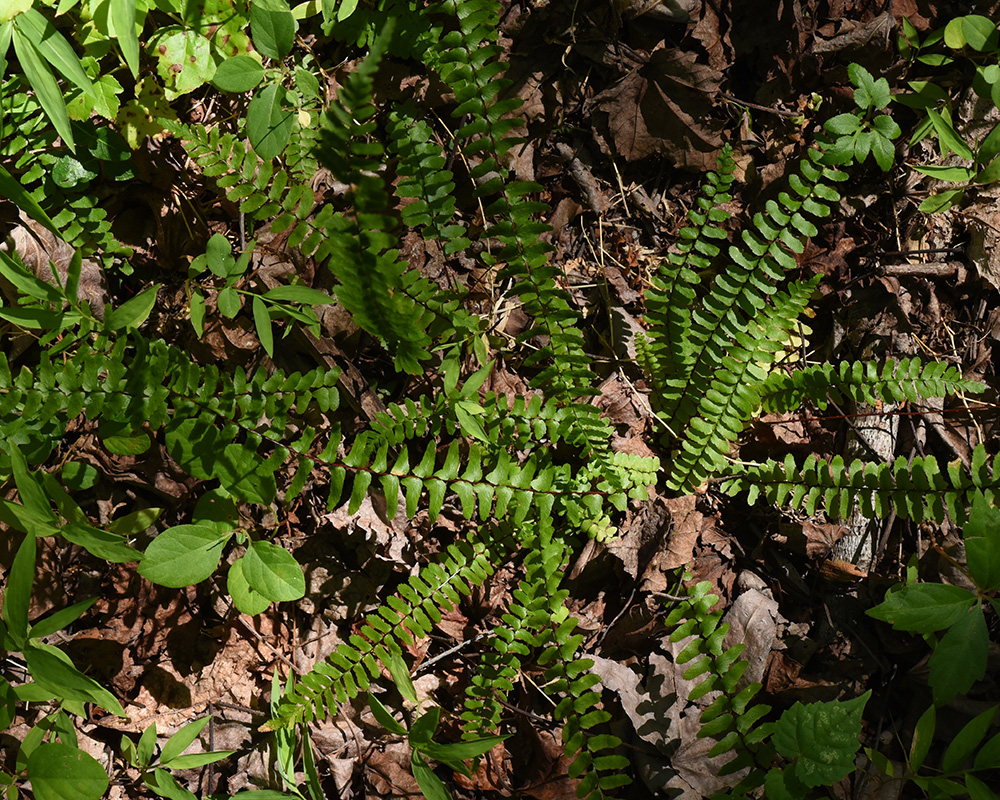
(959, 660)
(429, 783)
(967, 741)
(12, 8)
(11, 188)
(103, 544)
(49, 95)
(147, 745)
(25, 282)
(34, 318)
(8, 702)
(123, 23)
(135, 521)
(194, 760)
(29, 487)
(52, 670)
(247, 600)
(198, 313)
(401, 676)
(982, 543)
(924, 607)
(60, 619)
(941, 201)
(132, 313)
(269, 123)
(78, 475)
(17, 595)
(384, 718)
(949, 138)
(824, 737)
(843, 124)
(457, 752)
(988, 756)
(183, 555)
(238, 74)
(262, 322)
(54, 48)
(923, 737)
(217, 509)
(228, 302)
(955, 174)
(299, 294)
(165, 785)
(60, 772)
(424, 727)
(990, 173)
(979, 32)
(183, 59)
(182, 740)
(273, 572)
(272, 27)
(990, 147)
(979, 790)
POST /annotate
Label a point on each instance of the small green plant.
(864, 131)
(969, 39)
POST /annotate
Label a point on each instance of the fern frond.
(741, 289)
(673, 288)
(733, 397)
(918, 490)
(864, 383)
(408, 615)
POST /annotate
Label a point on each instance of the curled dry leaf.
(41, 250)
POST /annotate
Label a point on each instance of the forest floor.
(627, 106)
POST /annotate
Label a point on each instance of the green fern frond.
(919, 490)
(407, 616)
(674, 287)
(864, 383)
(718, 417)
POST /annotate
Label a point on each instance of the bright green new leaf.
(183, 555)
(132, 313)
(941, 201)
(228, 302)
(25, 282)
(454, 754)
(182, 740)
(12, 8)
(959, 660)
(956, 174)
(238, 74)
(183, 59)
(247, 600)
(924, 607)
(823, 737)
(60, 772)
(273, 572)
(272, 27)
(269, 122)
